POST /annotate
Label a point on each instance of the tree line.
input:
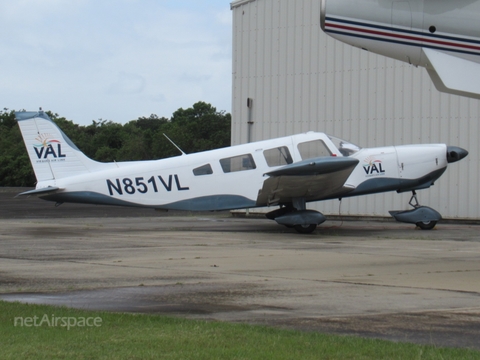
(195, 129)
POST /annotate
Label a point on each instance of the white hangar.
(299, 80)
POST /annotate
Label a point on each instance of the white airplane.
(441, 35)
(287, 173)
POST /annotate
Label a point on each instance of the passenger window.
(238, 163)
(278, 156)
(313, 149)
(203, 170)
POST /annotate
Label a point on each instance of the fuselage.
(231, 178)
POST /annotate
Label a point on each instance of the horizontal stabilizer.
(43, 191)
(452, 74)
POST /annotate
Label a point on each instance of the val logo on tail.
(284, 173)
(48, 148)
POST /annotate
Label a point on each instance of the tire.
(426, 225)
(305, 229)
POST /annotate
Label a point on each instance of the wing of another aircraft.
(442, 36)
(311, 179)
(453, 74)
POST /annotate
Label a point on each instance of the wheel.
(305, 229)
(426, 225)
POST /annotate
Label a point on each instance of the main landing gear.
(423, 216)
(298, 217)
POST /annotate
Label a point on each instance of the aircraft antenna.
(183, 153)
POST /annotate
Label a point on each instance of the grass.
(131, 336)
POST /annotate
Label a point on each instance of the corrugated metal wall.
(300, 80)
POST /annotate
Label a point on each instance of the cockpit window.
(346, 148)
(313, 149)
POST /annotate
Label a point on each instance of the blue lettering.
(128, 186)
(371, 169)
(179, 187)
(60, 155)
(169, 186)
(117, 188)
(142, 186)
(152, 181)
(39, 151)
(129, 189)
(50, 151)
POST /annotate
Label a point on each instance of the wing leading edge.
(312, 179)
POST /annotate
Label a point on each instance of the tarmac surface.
(378, 279)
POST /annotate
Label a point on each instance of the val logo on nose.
(373, 167)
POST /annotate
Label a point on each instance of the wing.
(452, 74)
(313, 179)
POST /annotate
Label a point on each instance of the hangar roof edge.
(238, 3)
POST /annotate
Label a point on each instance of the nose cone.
(455, 153)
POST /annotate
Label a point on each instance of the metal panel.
(301, 80)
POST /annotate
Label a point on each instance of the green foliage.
(15, 167)
(195, 129)
(203, 127)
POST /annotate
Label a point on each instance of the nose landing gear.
(423, 216)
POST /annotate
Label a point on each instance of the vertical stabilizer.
(52, 154)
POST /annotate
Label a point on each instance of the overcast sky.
(115, 60)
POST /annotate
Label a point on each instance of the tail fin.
(52, 154)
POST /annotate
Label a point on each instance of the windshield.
(346, 148)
